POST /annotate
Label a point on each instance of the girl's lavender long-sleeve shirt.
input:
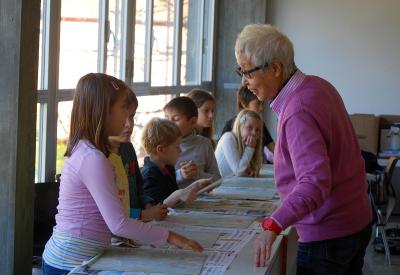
(89, 206)
(319, 171)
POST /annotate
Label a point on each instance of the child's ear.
(193, 120)
(159, 148)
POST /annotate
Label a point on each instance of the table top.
(243, 261)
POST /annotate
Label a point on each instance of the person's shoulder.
(126, 150)
(228, 125)
(227, 136)
(83, 155)
(149, 168)
(203, 141)
(84, 150)
(127, 146)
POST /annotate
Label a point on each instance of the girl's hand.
(250, 141)
(250, 172)
(189, 170)
(183, 242)
(156, 212)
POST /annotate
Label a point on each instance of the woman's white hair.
(263, 43)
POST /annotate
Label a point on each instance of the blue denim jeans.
(49, 270)
(343, 255)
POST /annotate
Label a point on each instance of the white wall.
(354, 44)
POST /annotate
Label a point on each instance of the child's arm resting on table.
(187, 194)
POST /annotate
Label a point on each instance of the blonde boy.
(197, 159)
(161, 139)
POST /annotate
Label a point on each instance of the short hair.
(242, 117)
(94, 96)
(183, 105)
(200, 96)
(243, 97)
(264, 43)
(159, 131)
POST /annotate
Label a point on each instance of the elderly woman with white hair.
(319, 171)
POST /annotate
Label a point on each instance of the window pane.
(149, 107)
(140, 42)
(40, 84)
(191, 42)
(208, 37)
(114, 39)
(78, 40)
(63, 123)
(163, 41)
(39, 142)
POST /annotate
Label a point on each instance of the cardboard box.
(367, 130)
(387, 120)
(384, 142)
(384, 125)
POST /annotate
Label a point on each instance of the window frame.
(49, 95)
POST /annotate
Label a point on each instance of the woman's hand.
(183, 242)
(156, 212)
(262, 247)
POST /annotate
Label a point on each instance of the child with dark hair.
(247, 100)
(197, 159)
(205, 103)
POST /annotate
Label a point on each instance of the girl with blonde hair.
(239, 151)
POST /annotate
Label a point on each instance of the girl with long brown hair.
(89, 208)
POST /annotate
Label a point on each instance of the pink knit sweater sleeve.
(98, 176)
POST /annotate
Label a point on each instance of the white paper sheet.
(232, 207)
(195, 218)
(267, 170)
(244, 193)
(150, 260)
(248, 182)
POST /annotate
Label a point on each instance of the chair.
(45, 209)
(382, 195)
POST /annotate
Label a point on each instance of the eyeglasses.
(248, 74)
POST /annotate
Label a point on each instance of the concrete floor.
(376, 263)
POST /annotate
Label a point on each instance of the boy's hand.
(156, 212)
(189, 169)
(201, 183)
(187, 195)
(183, 242)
